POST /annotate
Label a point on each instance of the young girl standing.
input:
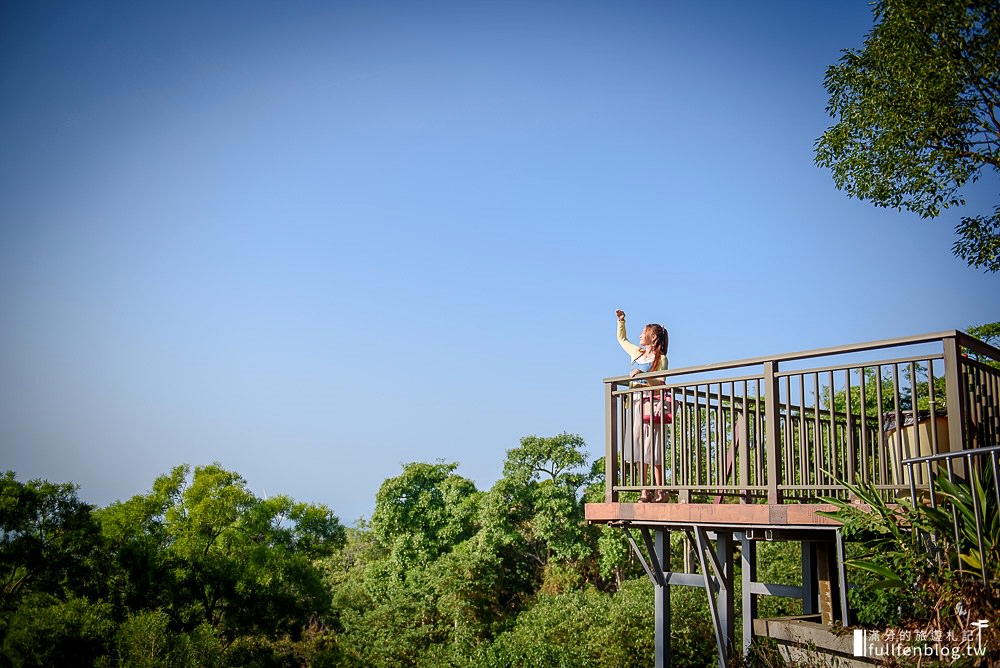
(644, 450)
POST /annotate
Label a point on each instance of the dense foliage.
(917, 114)
(199, 571)
(931, 567)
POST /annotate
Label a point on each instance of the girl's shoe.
(645, 497)
(661, 496)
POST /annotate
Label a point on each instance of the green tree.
(591, 628)
(987, 333)
(424, 512)
(615, 561)
(52, 576)
(426, 593)
(145, 640)
(49, 541)
(537, 504)
(211, 555)
(918, 112)
(47, 630)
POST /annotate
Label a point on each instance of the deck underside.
(705, 514)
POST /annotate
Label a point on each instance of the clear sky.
(315, 240)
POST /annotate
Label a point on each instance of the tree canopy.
(918, 114)
(201, 572)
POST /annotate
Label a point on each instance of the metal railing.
(787, 428)
(971, 504)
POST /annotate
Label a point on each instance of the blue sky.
(315, 240)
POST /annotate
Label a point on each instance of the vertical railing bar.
(715, 411)
(627, 436)
(865, 466)
(988, 424)
(932, 405)
(744, 449)
(994, 421)
(724, 455)
(689, 450)
(656, 422)
(667, 408)
(706, 429)
(898, 415)
(696, 443)
(771, 410)
(635, 449)
(834, 453)
(720, 445)
(647, 437)
(680, 440)
(729, 426)
(670, 433)
(729, 474)
(636, 452)
(974, 407)
(793, 444)
(787, 437)
(684, 495)
(851, 455)
(611, 466)
(678, 434)
(821, 478)
(996, 475)
(673, 441)
(621, 430)
(692, 445)
(697, 435)
(917, 451)
(709, 470)
(626, 429)
(621, 409)
(881, 437)
(759, 435)
(711, 451)
(619, 436)
(721, 432)
(984, 413)
(989, 411)
(803, 450)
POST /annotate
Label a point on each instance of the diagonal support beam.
(654, 572)
(718, 587)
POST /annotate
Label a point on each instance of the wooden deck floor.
(801, 515)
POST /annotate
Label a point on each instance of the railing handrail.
(973, 452)
(964, 339)
(771, 427)
(975, 345)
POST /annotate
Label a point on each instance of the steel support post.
(748, 556)
(727, 593)
(661, 544)
(810, 580)
(717, 571)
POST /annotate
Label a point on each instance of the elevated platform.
(748, 449)
(734, 516)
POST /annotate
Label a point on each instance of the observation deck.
(745, 451)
